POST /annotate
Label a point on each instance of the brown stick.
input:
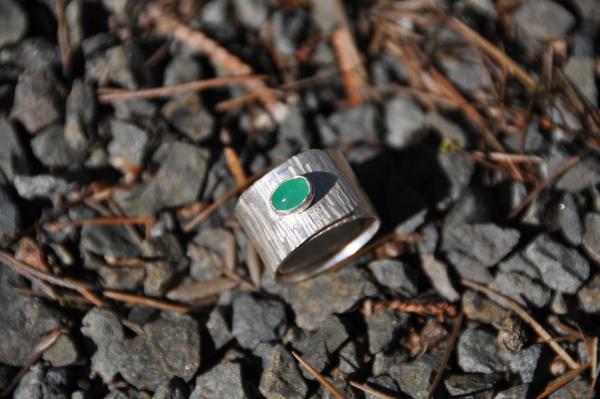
(63, 36)
(38, 351)
(562, 381)
(105, 220)
(522, 313)
(372, 391)
(456, 323)
(108, 96)
(538, 189)
(143, 300)
(319, 377)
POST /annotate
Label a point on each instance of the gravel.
(521, 288)
(41, 186)
(394, 275)
(10, 215)
(257, 320)
(581, 71)
(381, 329)
(437, 272)
(281, 378)
(225, 380)
(591, 236)
(13, 23)
(404, 121)
(543, 19)
(13, 158)
(589, 295)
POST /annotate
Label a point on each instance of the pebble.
(109, 240)
(169, 346)
(25, 320)
(517, 263)
(39, 99)
(206, 265)
(13, 158)
(437, 272)
(13, 23)
(164, 260)
(469, 268)
(575, 389)
(394, 275)
(589, 295)
(80, 118)
(215, 17)
(414, 377)
(178, 181)
(478, 352)
(479, 308)
(561, 268)
(457, 170)
(10, 215)
(466, 71)
(219, 328)
(467, 384)
(36, 385)
(568, 219)
(591, 236)
(125, 63)
(349, 361)
(515, 392)
(485, 243)
(314, 300)
(222, 381)
(355, 125)
(384, 384)
(543, 19)
(53, 150)
(521, 288)
(181, 69)
(429, 243)
(190, 117)
(119, 278)
(475, 206)
(281, 378)
(63, 352)
(585, 174)
(382, 328)
(41, 186)
(34, 53)
(290, 26)
(405, 122)
(251, 13)
(257, 320)
(383, 362)
(581, 71)
(128, 145)
(535, 142)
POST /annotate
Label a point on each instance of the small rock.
(215, 19)
(218, 327)
(585, 174)
(172, 390)
(13, 23)
(251, 13)
(466, 71)
(36, 385)
(428, 244)
(384, 384)
(294, 128)
(404, 120)
(475, 206)
(466, 384)
(257, 320)
(469, 268)
(177, 182)
(324, 15)
(414, 377)
(543, 19)
(181, 69)
(10, 216)
(206, 265)
(517, 263)
(281, 378)
(561, 268)
(558, 305)
(119, 278)
(126, 12)
(315, 299)
(349, 361)
(446, 128)
(381, 329)
(222, 381)
(316, 347)
(479, 308)
(13, 159)
(568, 219)
(438, 275)
(165, 259)
(109, 240)
(53, 150)
(25, 320)
(589, 295)
(63, 352)
(355, 125)
(535, 142)
(581, 71)
(41, 186)
(290, 26)
(385, 362)
(39, 99)
(516, 392)
(127, 146)
(80, 119)
(486, 243)
(33, 53)
(125, 63)
(169, 346)
(394, 275)
(573, 390)
(457, 170)
(190, 117)
(591, 236)
(519, 286)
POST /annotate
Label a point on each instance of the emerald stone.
(292, 195)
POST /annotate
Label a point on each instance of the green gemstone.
(291, 195)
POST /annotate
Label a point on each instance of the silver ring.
(306, 215)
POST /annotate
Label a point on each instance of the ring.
(306, 215)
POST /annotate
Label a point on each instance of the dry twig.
(522, 313)
(562, 381)
(319, 377)
(200, 290)
(456, 323)
(63, 36)
(146, 301)
(372, 391)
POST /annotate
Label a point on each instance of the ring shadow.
(322, 182)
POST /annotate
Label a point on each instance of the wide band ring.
(306, 215)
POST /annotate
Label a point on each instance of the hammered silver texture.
(339, 201)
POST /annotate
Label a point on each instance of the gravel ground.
(472, 125)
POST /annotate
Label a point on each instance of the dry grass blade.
(62, 298)
(456, 323)
(562, 381)
(522, 313)
(254, 265)
(372, 391)
(235, 166)
(353, 74)
(28, 271)
(538, 189)
(319, 377)
(167, 24)
(200, 290)
(202, 216)
(63, 36)
(44, 344)
(144, 300)
(108, 95)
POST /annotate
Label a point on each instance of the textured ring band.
(306, 215)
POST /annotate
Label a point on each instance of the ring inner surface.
(333, 244)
